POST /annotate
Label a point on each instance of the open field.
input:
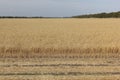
(55, 49)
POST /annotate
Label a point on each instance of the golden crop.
(55, 49)
(18, 36)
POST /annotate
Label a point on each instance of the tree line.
(29, 17)
(100, 15)
(19, 17)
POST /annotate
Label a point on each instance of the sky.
(56, 8)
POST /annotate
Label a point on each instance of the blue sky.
(55, 8)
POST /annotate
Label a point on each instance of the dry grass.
(42, 36)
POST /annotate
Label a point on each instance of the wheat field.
(59, 36)
(55, 49)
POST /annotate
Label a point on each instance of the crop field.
(60, 49)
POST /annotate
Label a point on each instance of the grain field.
(60, 49)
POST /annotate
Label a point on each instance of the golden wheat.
(30, 36)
